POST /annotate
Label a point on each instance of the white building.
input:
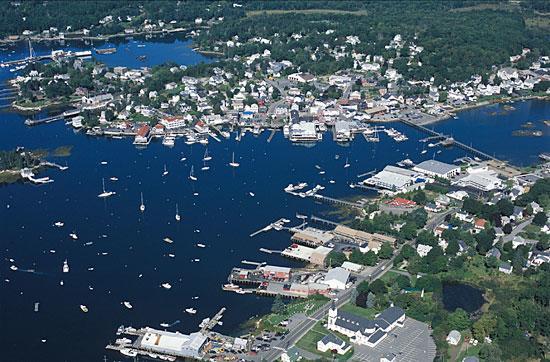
(332, 343)
(173, 122)
(480, 178)
(301, 77)
(174, 343)
(337, 278)
(364, 331)
(453, 338)
(437, 169)
(395, 179)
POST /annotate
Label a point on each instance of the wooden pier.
(332, 200)
(58, 117)
(450, 141)
(323, 221)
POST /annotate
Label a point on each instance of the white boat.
(206, 156)
(196, 260)
(104, 162)
(165, 171)
(240, 291)
(332, 181)
(183, 159)
(166, 285)
(142, 205)
(129, 352)
(172, 255)
(205, 168)
(423, 152)
(164, 325)
(128, 305)
(192, 176)
(168, 240)
(191, 310)
(252, 194)
(231, 286)
(431, 145)
(58, 224)
(14, 268)
(178, 217)
(322, 172)
(233, 163)
(73, 236)
(114, 178)
(105, 193)
(169, 141)
(84, 308)
(346, 165)
(65, 266)
(201, 245)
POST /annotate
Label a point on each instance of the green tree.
(540, 218)
(363, 287)
(378, 287)
(408, 251)
(403, 281)
(452, 248)
(386, 251)
(490, 353)
(420, 197)
(484, 326)
(458, 320)
(335, 258)
(278, 306)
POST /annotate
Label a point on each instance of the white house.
(301, 77)
(364, 331)
(332, 343)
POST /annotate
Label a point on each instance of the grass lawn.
(309, 342)
(307, 306)
(364, 312)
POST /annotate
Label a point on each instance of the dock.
(365, 174)
(213, 322)
(271, 135)
(252, 263)
(449, 141)
(58, 117)
(332, 200)
(320, 220)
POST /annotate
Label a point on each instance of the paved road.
(516, 230)
(302, 328)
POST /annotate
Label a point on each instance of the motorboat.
(128, 305)
(73, 236)
(84, 308)
(166, 285)
(168, 240)
(252, 194)
(65, 266)
(206, 156)
(165, 171)
(201, 245)
(178, 217)
(14, 268)
(346, 165)
(58, 224)
(129, 352)
(191, 310)
(114, 178)
(142, 205)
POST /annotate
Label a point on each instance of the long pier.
(58, 117)
(323, 221)
(332, 200)
(448, 141)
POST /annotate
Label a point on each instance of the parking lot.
(412, 342)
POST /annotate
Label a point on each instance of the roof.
(353, 322)
(436, 167)
(378, 335)
(332, 338)
(399, 201)
(339, 274)
(391, 314)
(454, 334)
(352, 266)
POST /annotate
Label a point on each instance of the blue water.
(223, 211)
(464, 296)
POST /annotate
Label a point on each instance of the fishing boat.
(165, 171)
(58, 224)
(129, 352)
(168, 240)
(192, 176)
(178, 217)
(105, 194)
(201, 245)
(191, 310)
(206, 156)
(252, 194)
(127, 305)
(233, 163)
(166, 285)
(73, 236)
(65, 266)
(84, 308)
(14, 268)
(142, 205)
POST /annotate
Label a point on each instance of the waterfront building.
(173, 122)
(480, 178)
(312, 237)
(303, 132)
(396, 179)
(437, 169)
(276, 272)
(173, 343)
(351, 235)
(364, 331)
(143, 135)
(337, 278)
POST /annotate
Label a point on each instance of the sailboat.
(165, 171)
(105, 193)
(142, 205)
(178, 217)
(192, 176)
(206, 156)
(233, 163)
(347, 163)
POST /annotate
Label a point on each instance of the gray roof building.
(437, 168)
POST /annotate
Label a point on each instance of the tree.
(408, 251)
(452, 248)
(491, 262)
(363, 287)
(403, 281)
(335, 258)
(420, 197)
(370, 258)
(378, 287)
(505, 207)
(484, 326)
(386, 251)
(429, 283)
(507, 229)
(458, 320)
(490, 353)
(371, 300)
(278, 306)
(540, 219)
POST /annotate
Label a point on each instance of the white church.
(364, 331)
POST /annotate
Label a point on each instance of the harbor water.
(120, 254)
